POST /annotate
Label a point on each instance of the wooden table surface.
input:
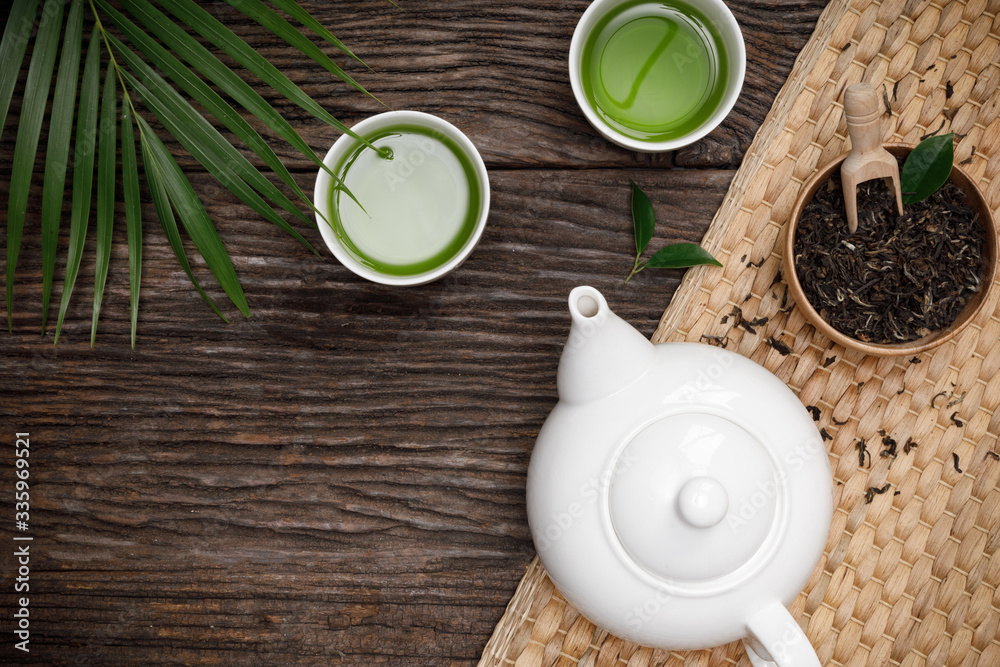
(340, 479)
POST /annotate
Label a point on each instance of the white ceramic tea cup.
(347, 144)
(719, 16)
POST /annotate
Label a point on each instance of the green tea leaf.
(36, 94)
(106, 171)
(194, 218)
(57, 149)
(927, 167)
(133, 212)
(161, 202)
(681, 256)
(16, 34)
(211, 100)
(83, 170)
(643, 218)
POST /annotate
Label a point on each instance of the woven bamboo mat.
(911, 577)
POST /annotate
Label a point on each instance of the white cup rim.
(721, 17)
(345, 143)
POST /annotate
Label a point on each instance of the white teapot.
(679, 495)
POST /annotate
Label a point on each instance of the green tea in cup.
(656, 75)
(408, 207)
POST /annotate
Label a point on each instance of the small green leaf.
(681, 256)
(57, 148)
(927, 167)
(643, 218)
(36, 94)
(133, 212)
(83, 170)
(106, 172)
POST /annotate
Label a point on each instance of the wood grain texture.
(340, 479)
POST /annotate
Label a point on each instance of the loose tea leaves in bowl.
(898, 278)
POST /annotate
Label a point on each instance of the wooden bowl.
(935, 338)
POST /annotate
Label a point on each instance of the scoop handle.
(776, 640)
(863, 112)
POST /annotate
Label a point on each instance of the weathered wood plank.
(498, 71)
(342, 473)
(340, 479)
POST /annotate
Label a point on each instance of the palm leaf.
(83, 171)
(292, 8)
(57, 151)
(209, 147)
(166, 215)
(267, 17)
(211, 29)
(205, 62)
(194, 218)
(36, 94)
(199, 74)
(12, 48)
(133, 212)
(198, 135)
(105, 193)
(211, 100)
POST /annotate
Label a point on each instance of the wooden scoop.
(868, 159)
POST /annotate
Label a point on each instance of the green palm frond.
(153, 65)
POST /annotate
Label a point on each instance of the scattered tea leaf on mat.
(993, 455)
(927, 167)
(908, 445)
(778, 345)
(862, 447)
(955, 420)
(718, 341)
(823, 434)
(875, 491)
(813, 412)
(890, 447)
(955, 461)
(674, 256)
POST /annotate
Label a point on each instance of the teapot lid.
(696, 500)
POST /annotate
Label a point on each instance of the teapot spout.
(604, 353)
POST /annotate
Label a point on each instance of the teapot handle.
(775, 640)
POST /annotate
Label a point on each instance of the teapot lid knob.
(703, 502)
